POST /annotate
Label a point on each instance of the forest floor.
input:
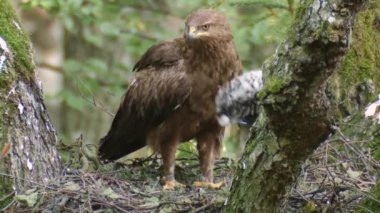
(336, 177)
(133, 186)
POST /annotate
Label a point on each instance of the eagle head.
(206, 24)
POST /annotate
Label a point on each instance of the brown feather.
(166, 53)
(150, 98)
(172, 98)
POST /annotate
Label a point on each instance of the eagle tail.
(123, 138)
(113, 147)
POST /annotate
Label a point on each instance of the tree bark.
(295, 118)
(27, 138)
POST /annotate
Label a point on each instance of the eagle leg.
(168, 161)
(208, 145)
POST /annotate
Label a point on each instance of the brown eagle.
(172, 98)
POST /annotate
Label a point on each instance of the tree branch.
(295, 118)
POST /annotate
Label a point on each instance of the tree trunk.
(295, 118)
(27, 137)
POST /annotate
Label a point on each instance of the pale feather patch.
(223, 120)
(237, 98)
(373, 110)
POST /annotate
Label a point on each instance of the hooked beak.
(191, 33)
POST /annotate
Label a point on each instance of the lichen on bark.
(27, 137)
(358, 79)
(295, 115)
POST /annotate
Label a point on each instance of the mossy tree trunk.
(296, 114)
(27, 137)
(365, 58)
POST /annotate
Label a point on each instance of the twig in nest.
(162, 204)
(200, 209)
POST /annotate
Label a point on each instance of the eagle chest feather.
(210, 68)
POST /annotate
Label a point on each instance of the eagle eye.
(205, 27)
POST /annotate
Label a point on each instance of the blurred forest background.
(85, 51)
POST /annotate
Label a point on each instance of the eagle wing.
(160, 87)
(164, 54)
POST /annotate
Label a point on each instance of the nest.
(335, 178)
(131, 187)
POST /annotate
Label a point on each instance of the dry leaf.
(354, 174)
(71, 186)
(110, 193)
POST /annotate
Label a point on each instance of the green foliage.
(138, 25)
(258, 27)
(187, 150)
(84, 77)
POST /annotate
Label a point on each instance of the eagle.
(172, 97)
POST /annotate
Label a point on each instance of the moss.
(362, 61)
(322, 30)
(17, 40)
(300, 12)
(273, 85)
(19, 46)
(360, 65)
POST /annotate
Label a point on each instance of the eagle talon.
(172, 184)
(210, 185)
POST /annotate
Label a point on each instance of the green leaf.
(71, 66)
(72, 100)
(109, 29)
(93, 38)
(97, 65)
(67, 22)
